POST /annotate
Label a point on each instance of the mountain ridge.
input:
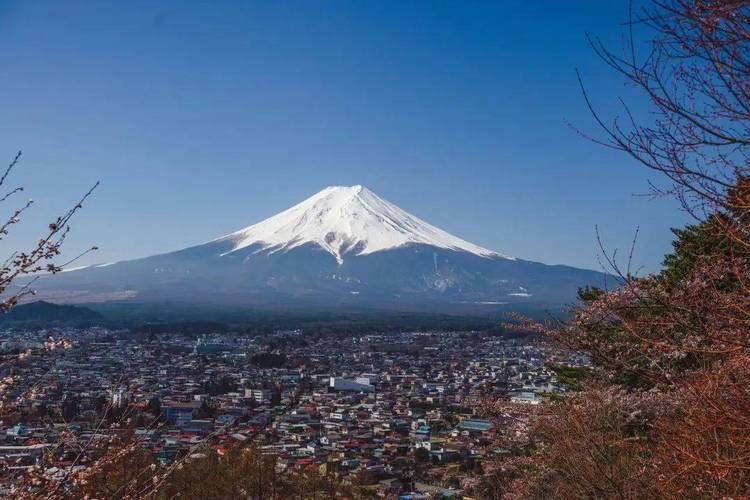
(42, 311)
(342, 247)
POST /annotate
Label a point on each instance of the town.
(401, 412)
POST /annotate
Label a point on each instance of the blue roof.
(475, 425)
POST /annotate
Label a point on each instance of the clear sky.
(201, 118)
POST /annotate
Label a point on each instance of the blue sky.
(200, 118)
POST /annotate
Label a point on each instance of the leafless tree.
(41, 257)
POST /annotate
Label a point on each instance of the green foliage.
(691, 244)
(588, 294)
(572, 376)
(154, 406)
(268, 360)
(206, 411)
(601, 330)
(219, 386)
(552, 396)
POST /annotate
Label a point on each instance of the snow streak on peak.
(347, 220)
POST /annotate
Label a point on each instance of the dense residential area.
(398, 414)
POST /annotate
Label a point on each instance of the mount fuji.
(344, 247)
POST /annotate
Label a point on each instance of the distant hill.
(47, 312)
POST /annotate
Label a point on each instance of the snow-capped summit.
(348, 220)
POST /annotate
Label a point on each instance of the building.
(180, 414)
(260, 396)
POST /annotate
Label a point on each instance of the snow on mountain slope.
(345, 220)
(304, 258)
